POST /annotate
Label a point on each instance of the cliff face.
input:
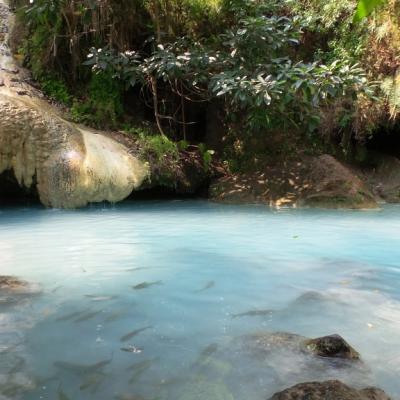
(70, 165)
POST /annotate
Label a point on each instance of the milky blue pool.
(146, 300)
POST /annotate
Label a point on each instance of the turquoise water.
(144, 300)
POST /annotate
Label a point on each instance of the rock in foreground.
(329, 390)
(332, 346)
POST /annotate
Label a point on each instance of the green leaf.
(365, 7)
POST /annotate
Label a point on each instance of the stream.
(156, 300)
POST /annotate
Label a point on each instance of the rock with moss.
(332, 346)
(329, 390)
(333, 185)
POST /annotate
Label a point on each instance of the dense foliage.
(299, 66)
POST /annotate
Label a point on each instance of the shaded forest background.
(243, 80)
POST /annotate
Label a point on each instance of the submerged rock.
(11, 283)
(204, 389)
(283, 359)
(332, 346)
(329, 390)
(14, 291)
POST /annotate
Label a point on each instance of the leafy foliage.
(102, 105)
(252, 66)
(272, 66)
(365, 7)
(56, 89)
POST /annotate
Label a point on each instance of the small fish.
(145, 364)
(135, 269)
(100, 298)
(62, 395)
(132, 349)
(139, 368)
(114, 316)
(209, 285)
(132, 334)
(211, 349)
(86, 317)
(145, 285)
(12, 389)
(128, 397)
(92, 381)
(205, 355)
(253, 313)
(80, 369)
(71, 316)
(18, 366)
(56, 289)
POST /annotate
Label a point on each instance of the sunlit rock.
(329, 390)
(312, 182)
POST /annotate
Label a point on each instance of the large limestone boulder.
(329, 390)
(333, 185)
(69, 165)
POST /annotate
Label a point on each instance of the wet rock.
(332, 346)
(11, 283)
(13, 290)
(329, 390)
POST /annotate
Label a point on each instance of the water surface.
(150, 300)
